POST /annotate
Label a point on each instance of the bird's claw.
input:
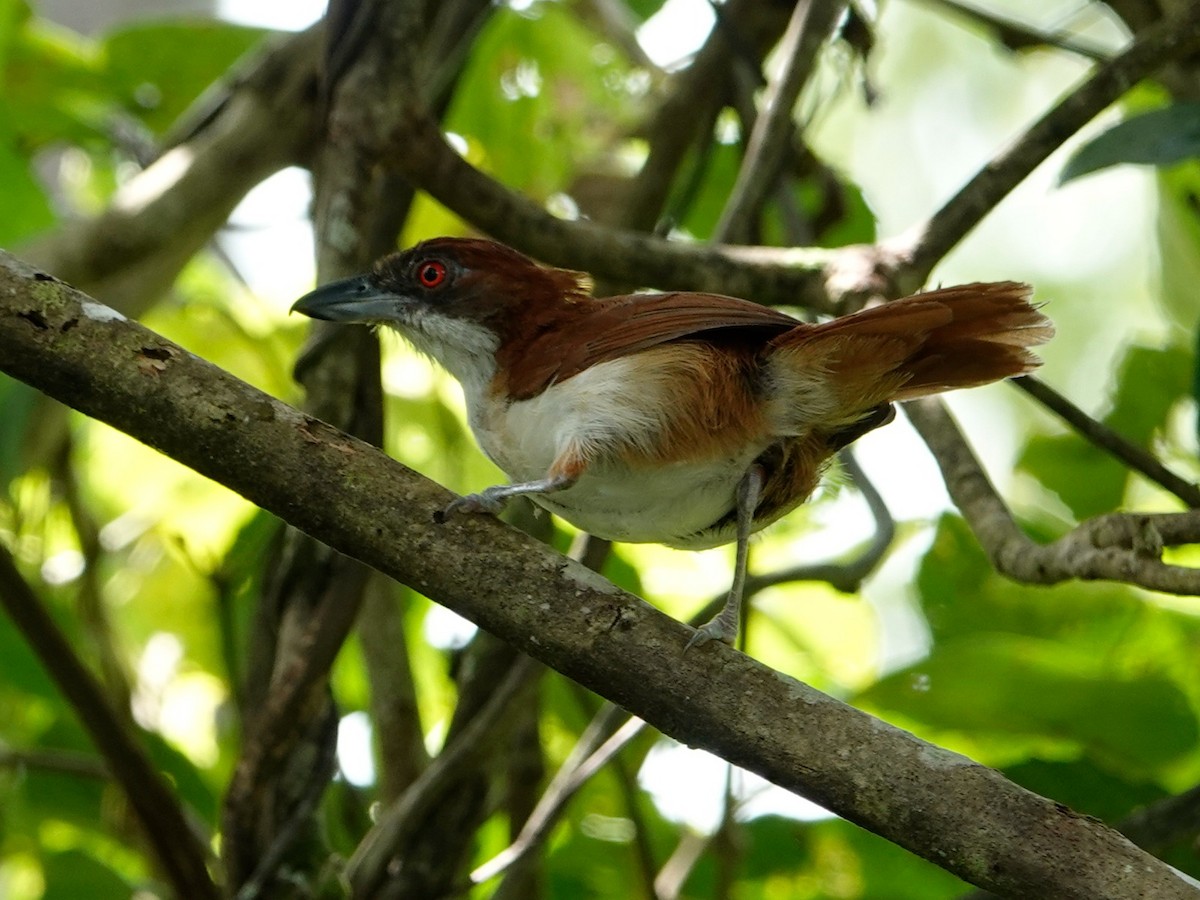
(471, 504)
(714, 629)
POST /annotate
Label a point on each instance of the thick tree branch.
(177, 848)
(961, 815)
(1116, 547)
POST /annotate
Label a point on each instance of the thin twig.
(395, 713)
(809, 28)
(846, 577)
(1157, 45)
(674, 873)
(1137, 458)
(1017, 35)
(61, 762)
(589, 756)
(93, 614)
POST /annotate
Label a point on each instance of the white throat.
(464, 349)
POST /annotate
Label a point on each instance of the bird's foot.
(483, 502)
(716, 628)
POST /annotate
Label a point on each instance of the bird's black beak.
(355, 299)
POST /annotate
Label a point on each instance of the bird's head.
(457, 299)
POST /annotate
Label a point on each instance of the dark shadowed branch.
(367, 869)
(177, 848)
(809, 29)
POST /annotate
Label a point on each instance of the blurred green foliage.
(1088, 693)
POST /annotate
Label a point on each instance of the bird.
(680, 418)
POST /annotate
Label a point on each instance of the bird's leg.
(492, 499)
(724, 625)
(564, 472)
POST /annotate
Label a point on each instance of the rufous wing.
(619, 326)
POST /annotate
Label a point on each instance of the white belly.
(667, 504)
(671, 505)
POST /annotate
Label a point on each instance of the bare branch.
(1137, 458)
(963, 816)
(843, 576)
(744, 32)
(1158, 825)
(394, 711)
(61, 762)
(1117, 547)
(367, 869)
(595, 748)
(809, 28)
(1157, 45)
(1017, 35)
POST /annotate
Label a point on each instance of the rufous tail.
(940, 340)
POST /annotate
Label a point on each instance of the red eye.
(431, 273)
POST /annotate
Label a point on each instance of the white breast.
(597, 412)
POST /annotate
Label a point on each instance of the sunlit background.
(925, 136)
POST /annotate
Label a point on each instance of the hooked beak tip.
(350, 300)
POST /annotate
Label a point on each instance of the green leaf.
(1177, 234)
(55, 796)
(540, 93)
(1084, 477)
(19, 401)
(1159, 138)
(774, 844)
(1150, 382)
(188, 784)
(26, 208)
(53, 88)
(1011, 685)
(159, 68)
(890, 872)
(73, 874)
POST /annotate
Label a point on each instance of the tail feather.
(937, 341)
